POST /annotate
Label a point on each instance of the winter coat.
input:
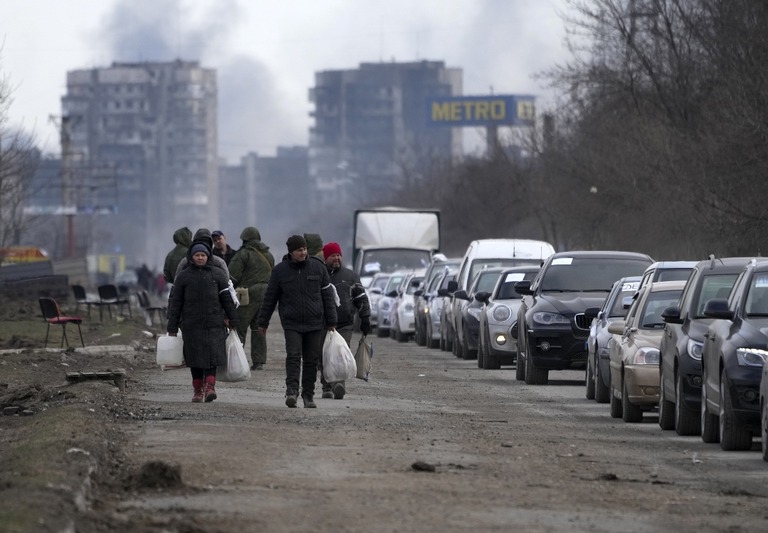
(203, 235)
(183, 239)
(305, 294)
(200, 299)
(252, 265)
(352, 296)
(227, 255)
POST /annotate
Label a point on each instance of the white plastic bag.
(338, 361)
(363, 357)
(170, 351)
(237, 368)
(233, 294)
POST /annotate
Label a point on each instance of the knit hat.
(314, 243)
(295, 242)
(330, 249)
(199, 247)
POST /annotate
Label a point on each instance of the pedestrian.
(200, 298)
(182, 238)
(307, 308)
(221, 248)
(203, 235)
(250, 268)
(352, 300)
(314, 246)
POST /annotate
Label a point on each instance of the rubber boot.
(210, 390)
(199, 386)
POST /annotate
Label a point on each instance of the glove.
(365, 326)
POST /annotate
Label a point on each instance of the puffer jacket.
(305, 294)
(183, 239)
(203, 235)
(252, 264)
(201, 300)
(352, 296)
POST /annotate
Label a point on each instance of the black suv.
(552, 325)
(683, 340)
(732, 360)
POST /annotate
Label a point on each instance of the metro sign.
(498, 110)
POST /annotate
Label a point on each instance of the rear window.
(617, 309)
(576, 274)
(507, 287)
(674, 274)
(480, 264)
(713, 286)
(655, 305)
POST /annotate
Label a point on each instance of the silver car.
(386, 302)
(375, 290)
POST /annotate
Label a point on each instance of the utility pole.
(68, 192)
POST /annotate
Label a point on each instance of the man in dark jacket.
(353, 299)
(307, 308)
(221, 248)
(250, 268)
(182, 237)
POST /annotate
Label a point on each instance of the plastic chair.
(109, 296)
(52, 315)
(81, 297)
(149, 309)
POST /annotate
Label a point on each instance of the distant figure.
(314, 245)
(144, 277)
(203, 235)
(183, 238)
(221, 248)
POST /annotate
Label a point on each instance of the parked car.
(764, 412)
(444, 309)
(552, 326)
(433, 302)
(374, 291)
(422, 295)
(467, 323)
(634, 355)
(732, 359)
(384, 319)
(403, 307)
(667, 271)
(498, 312)
(598, 375)
(683, 340)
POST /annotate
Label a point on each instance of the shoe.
(327, 394)
(210, 390)
(309, 402)
(257, 366)
(199, 387)
(338, 391)
(290, 400)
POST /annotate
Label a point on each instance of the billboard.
(493, 110)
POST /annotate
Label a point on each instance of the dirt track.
(505, 456)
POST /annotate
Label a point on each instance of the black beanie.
(295, 242)
(199, 247)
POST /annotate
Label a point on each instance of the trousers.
(302, 351)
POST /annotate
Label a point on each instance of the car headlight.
(474, 312)
(385, 306)
(426, 309)
(695, 348)
(550, 319)
(751, 356)
(501, 313)
(646, 356)
(408, 308)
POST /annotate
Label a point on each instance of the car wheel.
(490, 362)
(732, 435)
(431, 343)
(400, 336)
(686, 421)
(519, 363)
(710, 433)
(533, 375)
(629, 411)
(466, 353)
(382, 332)
(764, 429)
(615, 404)
(589, 379)
(666, 408)
(602, 392)
(456, 345)
(480, 351)
(419, 335)
(449, 341)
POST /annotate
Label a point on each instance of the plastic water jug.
(170, 351)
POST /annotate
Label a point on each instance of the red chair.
(52, 315)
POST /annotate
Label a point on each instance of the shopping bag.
(242, 295)
(338, 361)
(363, 357)
(237, 368)
(170, 351)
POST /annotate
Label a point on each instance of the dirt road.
(431, 443)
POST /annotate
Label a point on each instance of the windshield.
(392, 259)
(655, 305)
(757, 298)
(486, 282)
(713, 286)
(576, 274)
(393, 282)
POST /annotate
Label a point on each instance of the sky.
(266, 53)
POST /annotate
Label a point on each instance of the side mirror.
(718, 308)
(461, 295)
(483, 296)
(523, 287)
(392, 294)
(376, 290)
(671, 315)
(442, 292)
(617, 327)
(626, 302)
(591, 313)
(452, 285)
(418, 292)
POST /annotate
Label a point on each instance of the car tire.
(480, 351)
(589, 379)
(519, 365)
(419, 335)
(687, 421)
(616, 411)
(710, 431)
(629, 412)
(764, 429)
(666, 408)
(449, 342)
(732, 435)
(400, 336)
(490, 362)
(602, 392)
(466, 353)
(533, 375)
(382, 332)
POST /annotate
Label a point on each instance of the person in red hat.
(353, 299)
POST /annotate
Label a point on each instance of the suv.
(680, 366)
(732, 360)
(552, 326)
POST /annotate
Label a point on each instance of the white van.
(500, 252)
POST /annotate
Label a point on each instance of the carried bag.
(170, 351)
(338, 361)
(242, 295)
(363, 357)
(237, 368)
(233, 294)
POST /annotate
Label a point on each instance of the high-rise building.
(149, 130)
(371, 134)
